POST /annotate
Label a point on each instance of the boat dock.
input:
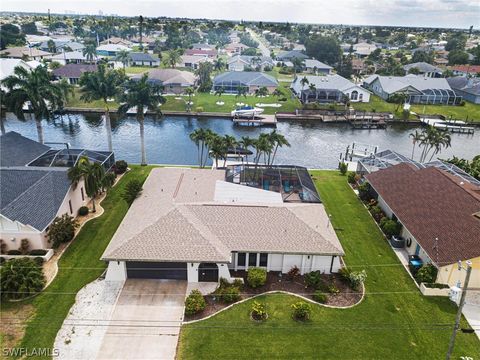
(453, 126)
(368, 124)
(267, 120)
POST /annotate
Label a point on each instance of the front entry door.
(208, 272)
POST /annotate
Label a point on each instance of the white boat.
(247, 112)
(133, 111)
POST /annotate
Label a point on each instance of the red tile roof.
(472, 69)
(431, 204)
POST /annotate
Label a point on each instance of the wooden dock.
(453, 126)
(263, 120)
(368, 124)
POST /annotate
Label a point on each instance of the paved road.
(261, 46)
(146, 321)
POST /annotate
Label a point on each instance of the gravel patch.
(82, 332)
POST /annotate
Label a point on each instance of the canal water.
(313, 144)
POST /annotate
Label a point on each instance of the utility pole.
(460, 307)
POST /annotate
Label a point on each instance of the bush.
(364, 191)
(14, 252)
(38, 260)
(301, 310)
(282, 99)
(3, 246)
(426, 274)
(313, 279)
(82, 211)
(344, 274)
(259, 311)
(436, 286)
(256, 277)
(351, 177)
(343, 167)
(121, 166)
(38, 252)
(20, 278)
(62, 230)
(377, 213)
(24, 246)
(238, 283)
(357, 278)
(390, 227)
(2, 260)
(229, 294)
(194, 303)
(293, 273)
(332, 289)
(199, 109)
(320, 297)
(132, 190)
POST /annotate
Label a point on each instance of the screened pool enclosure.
(69, 157)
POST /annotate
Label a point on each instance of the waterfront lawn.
(76, 102)
(393, 322)
(79, 265)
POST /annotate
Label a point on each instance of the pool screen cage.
(294, 183)
(69, 157)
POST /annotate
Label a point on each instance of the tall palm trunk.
(2, 126)
(108, 126)
(141, 120)
(38, 123)
(413, 149)
(93, 204)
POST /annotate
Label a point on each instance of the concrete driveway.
(146, 321)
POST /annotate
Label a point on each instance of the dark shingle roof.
(247, 78)
(289, 55)
(16, 150)
(462, 83)
(139, 56)
(74, 71)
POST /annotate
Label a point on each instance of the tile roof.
(423, 67)
(140, 56)
(20, 52)
(16, 150)
(327, 82)
(311, 63)
(467, 85)
(170, 77)
(247, 78)
(288, 55)
(392, 84)
(431, 204)
(177, 219)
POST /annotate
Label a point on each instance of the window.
(354, 95)
(252, 259)
(241, 257)
(263, 259)
(83, 195)
(360, 97)
(70, 206)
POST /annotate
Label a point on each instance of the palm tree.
(20, 278)
(92, 174)
(172, 58)
(189, 91)
(277, 140)
(51, 46)
(199, 137)
(416, 137)
(102, 85)
(263, 91)
(229, 143)
(124, 57)
(313, 89)
(216, 147)
(277, 93)
(218, 64)
(143, 95)
(241, 91)
(90, 52)
(304, 81)
(33, 87)
(219, 92)
(297, 65)
(245, 143)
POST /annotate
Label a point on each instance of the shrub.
(256, 277)
(344, 274)
(357, 278)
(313, 279)
(293, 273)
(14, 252)
(343, 167)
(364, 191)
(121, 166)
(282, 99)
(436, 286)
(108, 180)
(426, 274)
(24, 246)
(194, 303)
(229, 294)
(38, 252)
(132, 190)
(259, 311)
(2, 260)
(3, 246)
(351, 177)
(377, 213)
(62, 230)
(199, 109)
(390, 227)
(301, 310)
(238, 283)
(82, 211)
(21, 278)
(320, 297)
(38, 260)
(332, 289)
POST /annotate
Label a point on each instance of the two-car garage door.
(157, 270)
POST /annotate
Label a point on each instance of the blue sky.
(432, 13)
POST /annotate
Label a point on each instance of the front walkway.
(471, 309)
(146, 321)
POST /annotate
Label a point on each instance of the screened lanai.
(69, 157)
(293, 182)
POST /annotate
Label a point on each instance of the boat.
(247, 112)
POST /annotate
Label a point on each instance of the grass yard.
(393, 322)
(75, 101)
(79, 266)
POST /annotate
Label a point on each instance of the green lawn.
(79, 266)
(75, 101)
(386, 325)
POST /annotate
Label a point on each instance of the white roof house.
(8, 65)
(111, 49)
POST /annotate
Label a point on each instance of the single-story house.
(117, 41)
(316, 67)
(363, 49)
(290, 55)
(235, 48)
(193, 61)
(440, 217)
(143, 59)
(73, 72)
(420, 89)
(35, 188)
(465, 70)
(467, 88)
(173, 81)
(203, 46)
(111, 49)
(61, 45)
(212, 53)
(328, 88)
(7, 66)
(23, 52)
(358, 66)
(232, 81)
(199, 225)
(423, 68)
(73, 57)
(242, 62)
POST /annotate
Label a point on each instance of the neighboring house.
(35, 188)
(316, 67)
(24, 53)
(440, 61)
(173, 81)
(358, 66)
(467, 88)
(419, 89)
(201, 225)
(61, 45)
(111, 49)
(7, 66)
(143, 59)
(203, 47)
(465, 70)
(290, 55)
(193, 61)
(233, 37)
(200, 52)
(363, 49)
(242, 62)
(117, 41)
(235, 48)
(328, 88)
(424, 68)
(73, 57)
(439, 214)
(73, 72)
(232, 81)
